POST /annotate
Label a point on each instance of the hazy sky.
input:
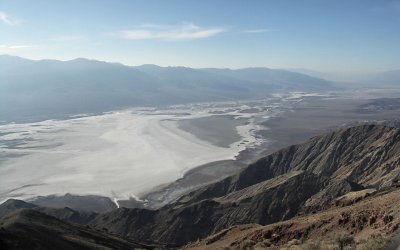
(339, 35)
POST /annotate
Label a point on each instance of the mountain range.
(48, 88)
(341, 183)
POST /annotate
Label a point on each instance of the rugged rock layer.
(356, 219)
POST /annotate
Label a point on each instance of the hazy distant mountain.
(47, 88)
(279, 77)
(388, 77)
(330, 76)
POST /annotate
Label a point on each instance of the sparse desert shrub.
(329, 245)
(261, 246)
(247, 244)
(294, 242)
(312, 246)
(298, 245)
(339, 242)
(344, 241)
(376, 242)
(292, 248)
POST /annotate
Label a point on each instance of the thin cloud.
(256, 31)
(162, 32)
(5, 18)
(9, 48)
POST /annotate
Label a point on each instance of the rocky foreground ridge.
(277, 199)
(366, 220)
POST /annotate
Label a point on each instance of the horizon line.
(290, 69)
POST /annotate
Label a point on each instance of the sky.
(323, 35)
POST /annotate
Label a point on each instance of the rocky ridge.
(354, 220)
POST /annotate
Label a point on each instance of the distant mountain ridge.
(51, 87)
(391, 77)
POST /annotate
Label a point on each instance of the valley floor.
(157, 155)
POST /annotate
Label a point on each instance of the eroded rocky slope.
(358, 220)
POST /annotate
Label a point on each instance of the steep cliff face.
(274, 188)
